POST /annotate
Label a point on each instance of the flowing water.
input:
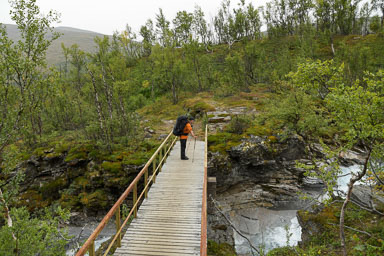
(267, 229)
(106, 233)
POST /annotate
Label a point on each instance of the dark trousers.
(183, 144)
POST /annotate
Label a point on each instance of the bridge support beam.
(211, 191)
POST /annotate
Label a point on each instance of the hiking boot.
(184, 158)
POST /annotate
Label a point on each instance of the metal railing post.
(118, 225)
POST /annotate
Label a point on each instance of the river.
(272, 228)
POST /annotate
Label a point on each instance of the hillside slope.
(69, 36)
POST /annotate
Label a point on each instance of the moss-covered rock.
(33, 200)
(69, 201)
(222, 142)
(51, 189)
(215, 249)
(95, 200)
(114, 167)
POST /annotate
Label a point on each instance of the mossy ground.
(358, 243)
(215, 249)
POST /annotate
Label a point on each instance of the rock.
(349, 158)
(227, 119)
(170, 122)
(162, 136)
(309, 226)
(218, 229)
(260, 173)
(363, 196)
(149, 130)
(49, 151)
(216, 119)
(33, 161)
(312, 182)
(291, 149)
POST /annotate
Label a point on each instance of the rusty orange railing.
(203, 242)
(161, 153)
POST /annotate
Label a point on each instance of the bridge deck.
(168, 222)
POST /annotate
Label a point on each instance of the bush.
(239, 124)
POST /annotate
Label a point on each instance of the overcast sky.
(107, 16)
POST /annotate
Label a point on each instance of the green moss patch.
(97, 199)
(328, 241)
(51, 189)
(79, 152)
(215, 249)
(114, 167)
(259, 130)
(33, 200)
(222, 142)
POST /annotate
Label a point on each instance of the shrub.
(239, 124)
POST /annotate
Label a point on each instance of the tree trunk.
(7, 214)
(352, 181)
(174, 91)
(197, 70)
(102, 125)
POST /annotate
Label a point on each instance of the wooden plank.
(162, 240)
(169, 219)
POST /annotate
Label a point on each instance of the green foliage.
(357, 109)
(114, 167)
(34, 236)
(239, 124)
(221, 142)
(326, 242)
(97, 95)
(283, 251)
(94, 200)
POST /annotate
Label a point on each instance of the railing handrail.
(203, 242)
(112, 211)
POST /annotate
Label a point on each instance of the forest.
(321, 62)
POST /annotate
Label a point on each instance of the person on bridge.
(183, 138)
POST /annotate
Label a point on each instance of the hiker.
(183, 138)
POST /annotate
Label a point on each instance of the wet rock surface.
(255, 175)
(258, 185)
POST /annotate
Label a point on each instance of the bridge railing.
(157, 160)
(203, 243)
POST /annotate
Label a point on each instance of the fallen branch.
(372, 210)
(360, 231)
(215, 203)
(74, 240)
(374, 172)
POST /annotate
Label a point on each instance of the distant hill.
(70, 36)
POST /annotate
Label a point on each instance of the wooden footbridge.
(169, 217)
